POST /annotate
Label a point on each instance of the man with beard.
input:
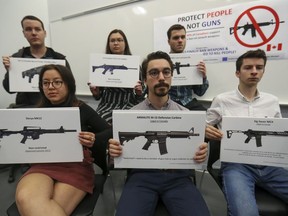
(144, 187)
(239, 179)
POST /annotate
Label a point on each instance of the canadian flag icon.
(272, 47)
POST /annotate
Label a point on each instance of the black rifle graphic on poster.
(111, 68)
(256, 134)
(252, 27)
(178, 65)
(31, 72)
(32, 132)
(156, 137)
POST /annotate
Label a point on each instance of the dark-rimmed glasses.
(154, 73)
(55, 83)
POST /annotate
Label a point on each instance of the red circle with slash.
(256, 26)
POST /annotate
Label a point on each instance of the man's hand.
(138, 88)
(115, 149)
(201, 154)
(213, 133)
(202, 69)
(6, 62)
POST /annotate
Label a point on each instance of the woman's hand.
(87, 138)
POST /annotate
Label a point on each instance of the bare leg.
(36, 194)
(67, 196)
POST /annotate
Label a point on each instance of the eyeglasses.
(56, 84)
(118, 40)
(154, 73)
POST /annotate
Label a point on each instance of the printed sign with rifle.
(185, 70)
(161, 140)
(24, 73)
(109, 70)
(260, 141)
(40, 135)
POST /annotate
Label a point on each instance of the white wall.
(11, 37)
(79, 36)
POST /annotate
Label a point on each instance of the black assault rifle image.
(32, 132)
(252, 27)
(111, 68)
(156, 137)
(257, 134)
(31, 72)
(177, 66)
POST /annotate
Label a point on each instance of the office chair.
(87, 205)
(268, 204)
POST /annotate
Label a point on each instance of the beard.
(161, 89)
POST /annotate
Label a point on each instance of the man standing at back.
(239, 179)
(35, 33)
(183, 95)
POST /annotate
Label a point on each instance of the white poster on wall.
(222, 34)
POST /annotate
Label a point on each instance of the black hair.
(154, 56)
(67, 77)
(251, 54)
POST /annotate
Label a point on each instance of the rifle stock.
(31, 72)
(153, 136)
(256, 134)
(33, 132)
(111, 68)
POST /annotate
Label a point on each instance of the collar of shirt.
(240, 95)
(165, 107)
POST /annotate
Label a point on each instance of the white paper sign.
(185, 69)
(158, 139)
(114, 70)
(260, 141)
(24, 73)
(40, 135)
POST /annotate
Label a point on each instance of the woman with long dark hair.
(57, 188)
(116, 98)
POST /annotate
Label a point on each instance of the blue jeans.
(239, 186)
(178, 193)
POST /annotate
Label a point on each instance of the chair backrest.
(99, 153)
(214, 155)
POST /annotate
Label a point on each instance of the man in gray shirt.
(144, 187)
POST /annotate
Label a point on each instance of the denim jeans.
(178, 193)
(239, 186)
